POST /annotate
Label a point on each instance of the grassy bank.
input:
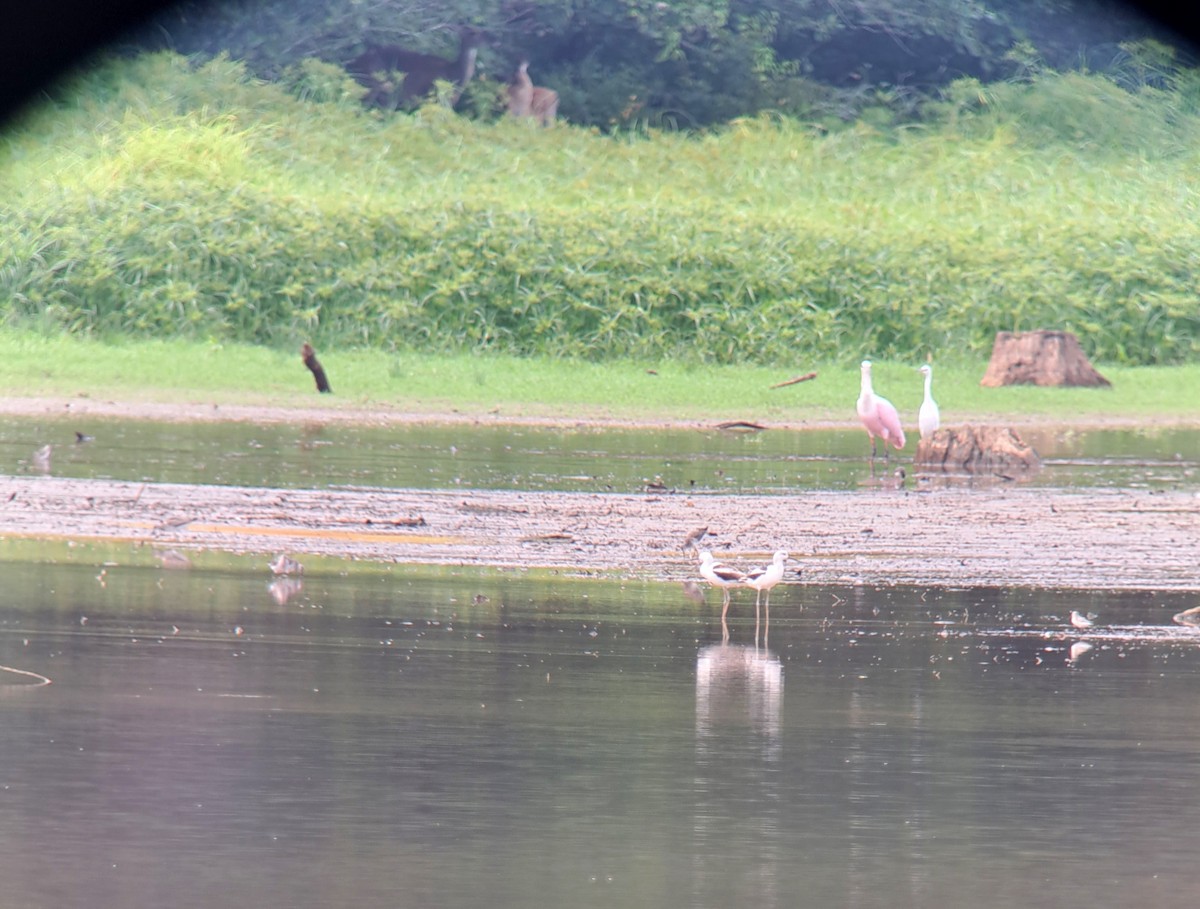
(204, 373)
(162, 200)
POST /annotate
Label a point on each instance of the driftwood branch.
(740, 426)
(797, 380)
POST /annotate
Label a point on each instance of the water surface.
(393, 736)
(579, 459)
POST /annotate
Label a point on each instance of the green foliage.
(167, 200)
(315, 80)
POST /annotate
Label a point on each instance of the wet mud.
(1005, 536)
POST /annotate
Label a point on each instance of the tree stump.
(309, 356)
(976, 449)
(1040, 358)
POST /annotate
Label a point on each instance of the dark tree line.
(686, 62)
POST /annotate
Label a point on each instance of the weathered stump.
(976, 449)
(309, 356)
(1040, 358)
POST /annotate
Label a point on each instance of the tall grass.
(160, 200)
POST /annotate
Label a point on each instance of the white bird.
(878, 415)
(928, 418)
(720, 576)
(763, 579)
(1079, 620)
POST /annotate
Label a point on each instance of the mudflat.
(916, 533)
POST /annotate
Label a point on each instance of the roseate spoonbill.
(1080, 621)
(877, 414)
(763, 579)
(928, 418)
(720, 576)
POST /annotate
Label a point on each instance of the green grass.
(193, 372)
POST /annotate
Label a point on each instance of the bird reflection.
(692, 591)
(739, 713)
(1078, 649)
(284, 588)
(1189, 617)
(174, 559)
(735, 682)
(41, 459)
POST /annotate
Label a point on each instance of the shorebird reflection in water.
(720, 576)
(283, 588)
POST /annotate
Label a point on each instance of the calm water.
(401, 737)
(437, 457)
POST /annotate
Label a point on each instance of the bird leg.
(725, 601)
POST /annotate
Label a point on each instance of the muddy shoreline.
(999, 536)
(382, 414)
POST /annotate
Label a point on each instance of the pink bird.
(877, 414)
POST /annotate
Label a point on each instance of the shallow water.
(391, 735)
(394, 736)
(508, 457)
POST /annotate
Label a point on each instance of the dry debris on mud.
(1000, 537)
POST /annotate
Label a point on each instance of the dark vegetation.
(257, 200)
(685, 63)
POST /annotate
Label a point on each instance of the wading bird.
(878, 416)
(928, 418)
(1080, 621)
(763, 579)
(720, 576)
(284, 564)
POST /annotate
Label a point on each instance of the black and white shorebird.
(763, 579)
(722, 576)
